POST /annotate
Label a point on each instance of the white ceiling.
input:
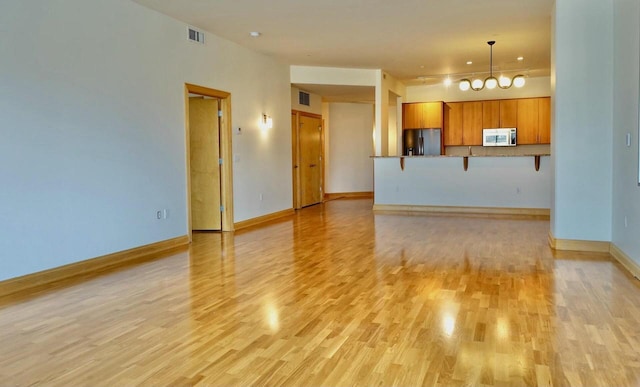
(416, 41)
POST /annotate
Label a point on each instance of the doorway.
(308, 162)
(209, 169)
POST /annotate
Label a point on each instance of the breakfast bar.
(510, 185)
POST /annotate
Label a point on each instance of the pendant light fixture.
(491, 82)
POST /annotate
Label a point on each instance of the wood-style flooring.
(338, 296)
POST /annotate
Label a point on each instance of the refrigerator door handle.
(422, 145)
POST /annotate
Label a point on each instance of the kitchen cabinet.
(508, 113)
(434, 115)
(490, 114)
(463, 123)
(411, 116)
(472, 123)
(453, 123)
(534, 121)
(544, 120)
(422, 115)
(527, 121)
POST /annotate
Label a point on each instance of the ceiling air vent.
(195, 35)
(303, 98)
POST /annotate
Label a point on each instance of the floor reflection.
(337, 295)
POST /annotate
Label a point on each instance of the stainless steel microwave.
(499, 137)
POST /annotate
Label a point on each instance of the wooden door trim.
(306, 114)
(201, 90)
(295, 159)
(226, 172)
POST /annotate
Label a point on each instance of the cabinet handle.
(312, 165)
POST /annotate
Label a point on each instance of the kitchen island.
(495, 185)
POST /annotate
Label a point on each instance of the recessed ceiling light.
(255, 34)
(447, 81)
(521, 58)
(422, 66)
(469, 62)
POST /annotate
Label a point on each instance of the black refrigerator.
(421, 142)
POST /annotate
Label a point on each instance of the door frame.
(226, 170)
(295, 156)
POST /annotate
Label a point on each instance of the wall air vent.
(195, 35)
(303, 98)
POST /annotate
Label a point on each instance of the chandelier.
(491, 82)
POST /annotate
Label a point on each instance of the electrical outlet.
(159, 214)
(165, 213)
(517, 190)
(260, 197)
(625, 222)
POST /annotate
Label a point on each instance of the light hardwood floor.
(338, 296)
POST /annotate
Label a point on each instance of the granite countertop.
(434, 156)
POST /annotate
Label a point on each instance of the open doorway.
(209, 167)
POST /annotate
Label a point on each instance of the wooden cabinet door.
(453, 123)
(490, 114)
(544, 120)
(433, 116)
(508, 113)
(527, 121)
(411, 116)
(472, 123)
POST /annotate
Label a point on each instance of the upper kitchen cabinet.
(508, 113)
(422, 115)
(411, 116)
(453, 123)
(544, 120)
(463, 123)
(434, 115)
(527, 121)
(472, 123)
(490, 114)
(534, 121)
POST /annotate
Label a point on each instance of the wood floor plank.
(338, 295)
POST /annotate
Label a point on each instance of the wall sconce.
(267, 122)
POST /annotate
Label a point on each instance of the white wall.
(509, 182)
(349, 164)
(386, 86)
(93, 140)
(535, 87)
(626, 193)
(581, 126)
(333, 76)
(394, 130)
(315, 102)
